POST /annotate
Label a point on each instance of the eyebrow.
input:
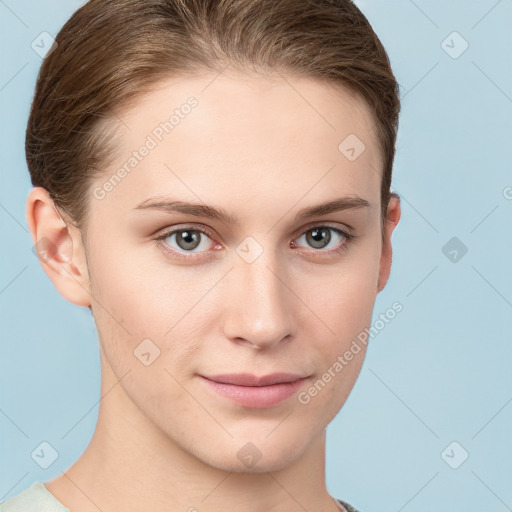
(202, 210)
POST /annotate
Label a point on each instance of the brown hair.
(112, 51)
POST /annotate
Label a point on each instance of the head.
(256, 113)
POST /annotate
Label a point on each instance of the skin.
(260, 150)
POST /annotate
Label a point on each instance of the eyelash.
(349, 238)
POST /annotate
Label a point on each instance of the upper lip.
(247, 379)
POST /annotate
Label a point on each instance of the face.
(267, 284)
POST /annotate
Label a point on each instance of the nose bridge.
(260, 305)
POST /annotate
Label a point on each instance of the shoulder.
(36, 498)
(349, 507)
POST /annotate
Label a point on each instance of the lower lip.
(256, 397)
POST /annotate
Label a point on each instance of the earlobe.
(392, 218)
(59, 247)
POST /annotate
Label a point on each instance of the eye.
(179, 242)
(320, 238)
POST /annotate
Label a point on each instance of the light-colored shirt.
(37, 498)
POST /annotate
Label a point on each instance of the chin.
(276, 462)
(250, 455)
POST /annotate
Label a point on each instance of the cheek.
(146, 309)
(140, 294)
(343, 297)
(148, 363)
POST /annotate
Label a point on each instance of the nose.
(259, 304)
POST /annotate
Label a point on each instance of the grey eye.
(188, 239)
(318, 238)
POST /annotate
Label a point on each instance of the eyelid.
(183, 227)
(319, 224)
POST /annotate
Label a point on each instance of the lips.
(255, 392)
(247, 379)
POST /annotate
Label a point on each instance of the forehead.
(246, 135)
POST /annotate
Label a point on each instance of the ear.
(58, 244)
(390, 222)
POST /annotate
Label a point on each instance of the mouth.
(255, 392)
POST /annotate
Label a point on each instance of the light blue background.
(439, 372)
